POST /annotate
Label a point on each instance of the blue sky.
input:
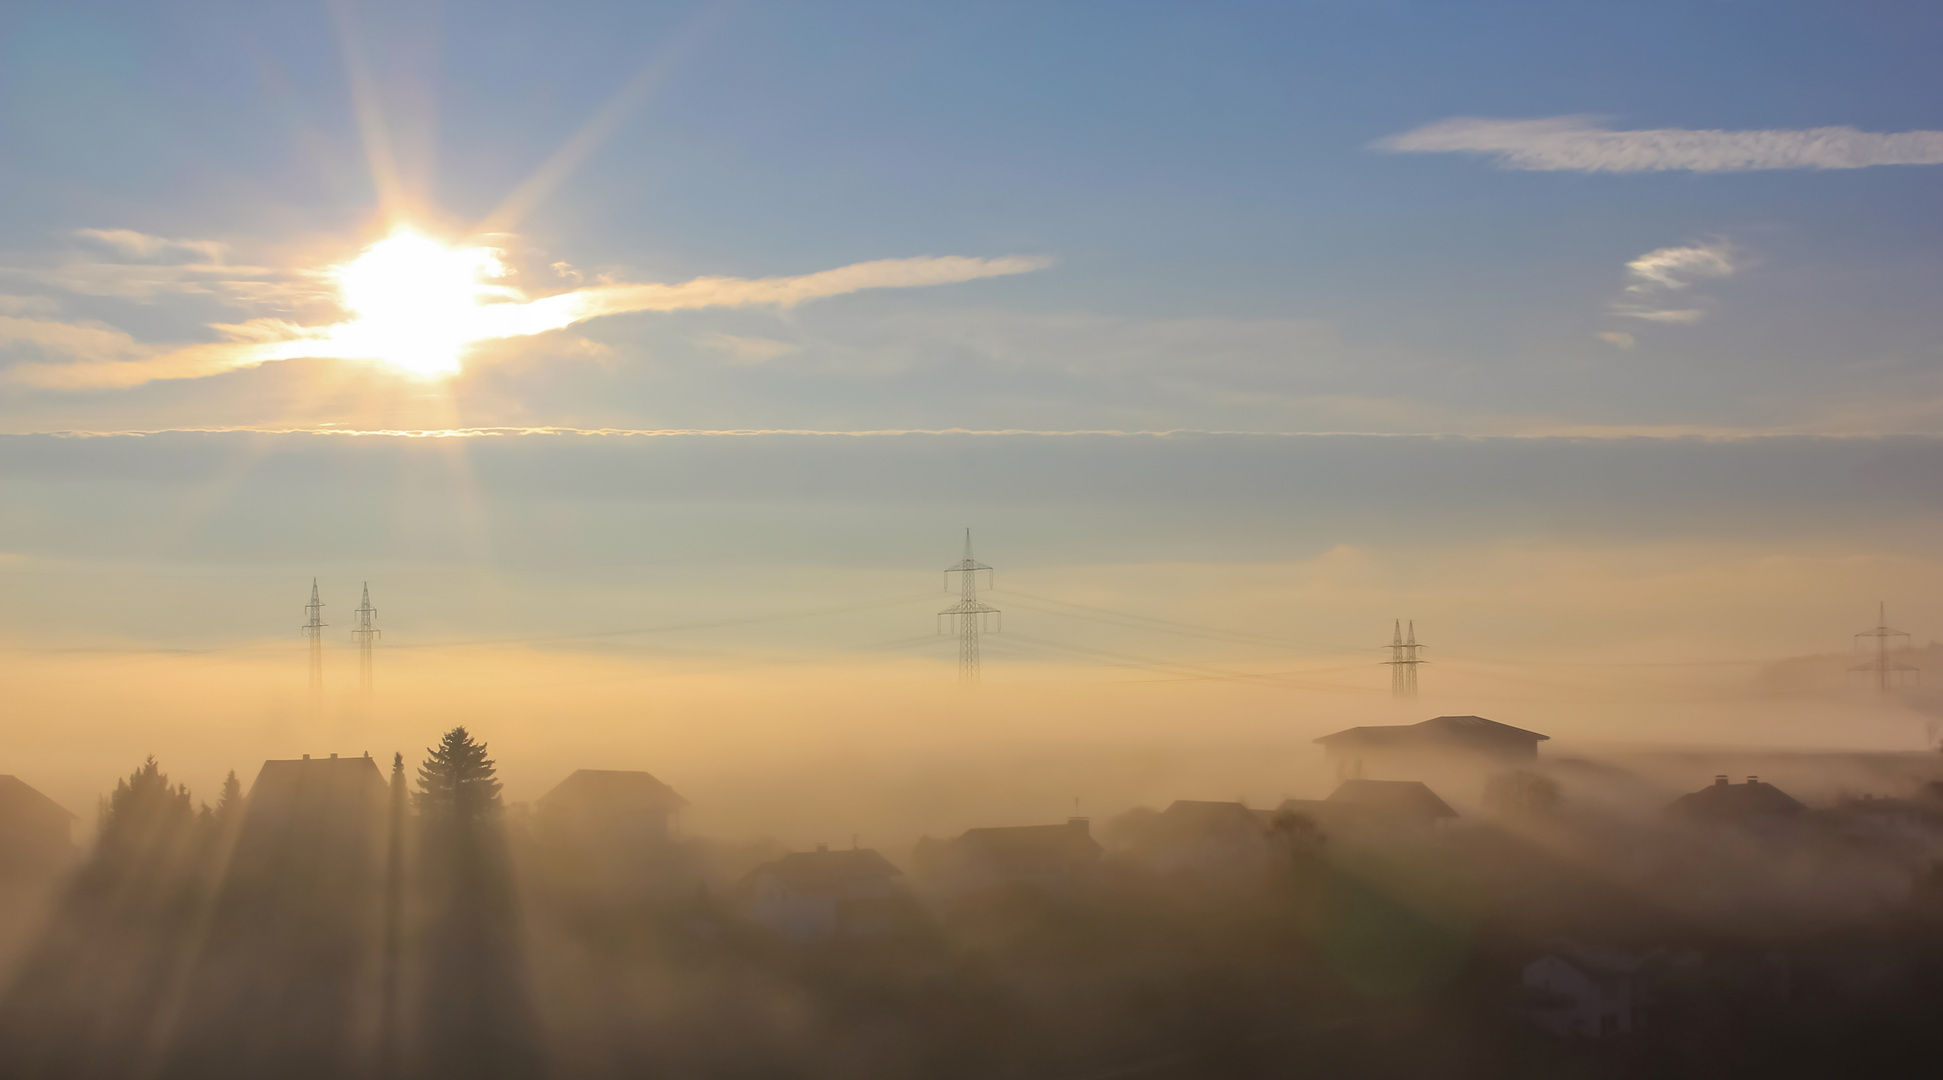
(1227, 249)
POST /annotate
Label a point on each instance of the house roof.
(813, 869)
(1722, 801)
(630, 788)
(1393, 798)
(1069, 841)
(1438, 730)
(17, 797)
(288, 778)
(1196, 816)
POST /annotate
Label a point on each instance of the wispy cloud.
(1659, 274)
(138, 245)
(1580, 144)
(260, 341)
(745, 350)
(1618, 339)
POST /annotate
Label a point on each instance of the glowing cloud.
(418, 304)
(1579, 144)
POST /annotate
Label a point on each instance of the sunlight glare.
(416, 301)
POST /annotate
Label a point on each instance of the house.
(611, 832)
(616, 806)
(1205, 837)
(1406, 804)
(821, 895)
(1583, 993)
(1403, 748)
(1723, 803)
(35, 831)
(1050, 857)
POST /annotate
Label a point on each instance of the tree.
(456, 779)
(145, 809)
(229, 806)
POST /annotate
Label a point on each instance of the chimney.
(1753, 779)
(1720, 780)
(306, 757)
(822, 848)
(1084, 825)
(367, 753)
(333, 757)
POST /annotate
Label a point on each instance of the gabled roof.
(1194, 815)
(282, 778)
(18, 798)
(1070, 841)
(1441, 730)
(812, 869)
(1722, 801)
(610, 788)
(1393, 798)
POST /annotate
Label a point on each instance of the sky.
(683, 341)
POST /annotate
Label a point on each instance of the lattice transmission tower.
(972, 617)
(1403, 660)
(1888, 674)
(313, 628)
(367, 635)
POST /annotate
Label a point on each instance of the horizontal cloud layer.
(1579, 144)
(260, 341)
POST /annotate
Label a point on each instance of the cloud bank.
(1579, 144)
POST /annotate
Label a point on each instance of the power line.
(1888, 673)
(970, 615)
(313, 628)
(366, 634)
(1403, 661)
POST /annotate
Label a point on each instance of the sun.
(415, 302)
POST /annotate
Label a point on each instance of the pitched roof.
(811, 869)
(1444, 730)
(1069, 841)
(1393, 798)
(17, 796)
(1196, 815)
(283, 778)
(610, 787)
(1722, 801)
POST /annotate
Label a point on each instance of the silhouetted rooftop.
(1393, 798)
(17, 798)
(1069, 841)
(1438, 730)
(1722, 801)
(610, 788)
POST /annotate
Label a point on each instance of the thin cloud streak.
(262, 341)
(1580, 144)
(1670, 270)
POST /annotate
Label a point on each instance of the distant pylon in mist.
(1403, 660)
(1887, 674)
(366, 634)
(313, 628)
(969, 613)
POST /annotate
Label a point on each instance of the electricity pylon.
(366, 634)
(313, 628)
(971, 615)
(1888, 673)
(1403, 660)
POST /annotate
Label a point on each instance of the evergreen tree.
(230, 805)
(145, 809)
(456, 779)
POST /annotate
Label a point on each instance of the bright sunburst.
(416, 302)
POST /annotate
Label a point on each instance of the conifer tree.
(230, 804)
(456, 779)
(144, 809)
